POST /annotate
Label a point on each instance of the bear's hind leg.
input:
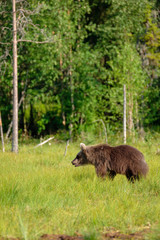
(131, 177)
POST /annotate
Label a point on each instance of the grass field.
(41, 192)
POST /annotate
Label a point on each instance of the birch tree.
(127, 69)
(15, 82)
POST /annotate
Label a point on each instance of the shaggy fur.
(110, 161)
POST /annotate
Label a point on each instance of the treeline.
(74, 56)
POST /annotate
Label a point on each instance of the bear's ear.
(82, 146)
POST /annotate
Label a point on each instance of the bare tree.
(72, 97)
(19, 25)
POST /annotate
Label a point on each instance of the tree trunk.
(15, 83)
(130, 114)
(71, 91)
(137, 116)
(124, 113)
(72, 103)
(62, 100)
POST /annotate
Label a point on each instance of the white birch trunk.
(15, 83)
(72, 97)
(130, 115)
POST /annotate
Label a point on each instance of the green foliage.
(126, 69)
(152, 66)
(77, 77)
(152, 38)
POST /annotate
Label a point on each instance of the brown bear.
(108, 160)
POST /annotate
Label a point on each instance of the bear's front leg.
(101, 170)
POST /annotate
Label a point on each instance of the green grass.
(41, 192)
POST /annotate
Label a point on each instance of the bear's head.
(81, 158)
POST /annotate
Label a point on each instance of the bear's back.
(127, 151)
(125, 157)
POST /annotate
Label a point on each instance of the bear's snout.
(72, 162)
(75, 162)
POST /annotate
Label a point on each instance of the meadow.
(41, 192)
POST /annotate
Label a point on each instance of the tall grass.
(41, 192)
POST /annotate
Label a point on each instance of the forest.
(74, 57)
(67, 68)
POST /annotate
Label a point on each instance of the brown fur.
(110, 161)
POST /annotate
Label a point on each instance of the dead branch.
(40, 144)
(3, 43)
(3, 62)
(24, 22)
(4, 12)
(18, 1)
(29, 12)
(32, 41)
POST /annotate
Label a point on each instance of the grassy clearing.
(41, 192)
